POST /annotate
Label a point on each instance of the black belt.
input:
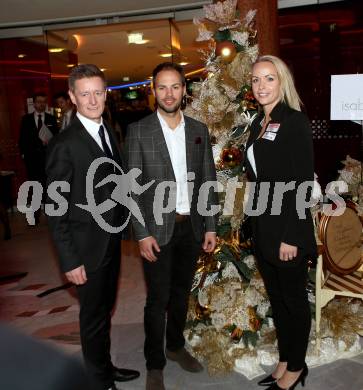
(181, 217)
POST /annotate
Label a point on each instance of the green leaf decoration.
(242, 268)
(223, 229)
(249, 337)
(221, 36)
(239, 48)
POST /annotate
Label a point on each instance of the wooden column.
(267, 26)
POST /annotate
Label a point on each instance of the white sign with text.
(346, 97)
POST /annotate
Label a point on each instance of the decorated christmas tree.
(228, 304)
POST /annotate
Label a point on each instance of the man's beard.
(169, 110)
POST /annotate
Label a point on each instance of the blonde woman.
(280, 152)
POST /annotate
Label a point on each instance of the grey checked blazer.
(146, 149)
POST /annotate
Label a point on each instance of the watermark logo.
(163, 198)
(120, 195)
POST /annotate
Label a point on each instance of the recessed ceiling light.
(183, 63)
(56, 50)
(137, 38)
(142, 42)
(166, 55)
(71, 65)
(21, 55)
(103, 69)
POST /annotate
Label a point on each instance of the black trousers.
(169, 280)
(97, 298)
(286, 288)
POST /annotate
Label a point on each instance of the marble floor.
(28, 268)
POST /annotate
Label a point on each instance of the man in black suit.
(68, 109)
(168, 146)
(32, 146)
(89, 255)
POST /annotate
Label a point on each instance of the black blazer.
(146, 149)
(77, 237)
(289, 157)
(30, 144)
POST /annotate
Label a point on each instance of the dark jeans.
(169, 280)
(97, 298)
(286, 288)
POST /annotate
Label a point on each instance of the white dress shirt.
(92, 128)
(251, 158)
(175, 141)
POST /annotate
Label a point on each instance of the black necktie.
(105, 147)
(40, 122)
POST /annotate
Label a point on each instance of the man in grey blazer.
(173, 152)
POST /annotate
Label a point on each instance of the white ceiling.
(15, 13)
(25, 12)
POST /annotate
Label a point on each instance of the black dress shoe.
(300, 379)
(124, 375)
(268, 381)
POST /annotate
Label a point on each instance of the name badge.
(270, 136)
(273, 127)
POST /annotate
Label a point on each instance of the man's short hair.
(169, 66)
(42, 94)
(84, 71)
(64, 95)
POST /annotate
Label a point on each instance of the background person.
(32, 147)
(166, 145)
(280, 149)
(68, 109)
(89, 255)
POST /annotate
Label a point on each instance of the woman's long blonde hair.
(288, 91)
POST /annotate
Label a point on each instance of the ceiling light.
(137, 38)
(78, 38)
(166, 55)
(71, 65)
(200, 70)
(183, 63)
(103, 69)
(130, 86)
(142, 41)
(21, 55)
(56, 50)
